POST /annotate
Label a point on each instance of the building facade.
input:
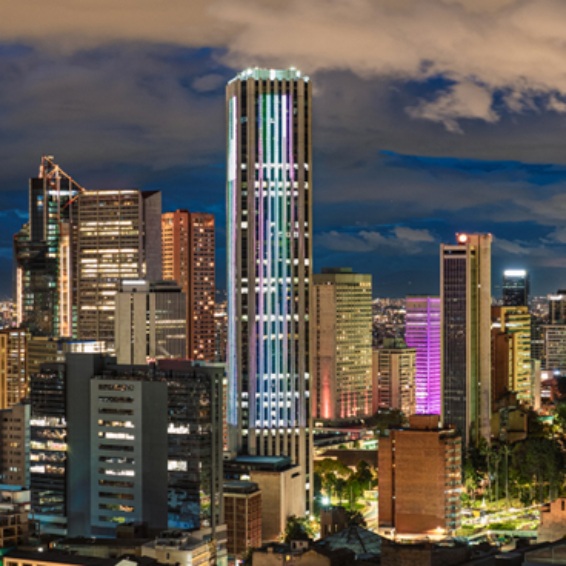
(188, 246)
(516, 288)
(118, 236)
(341, 345)
(465, 283)
(269, 252)
(42, 251)
(420, 479)
(150, 321)
(422, 332)
(511, 353)
(394, 383)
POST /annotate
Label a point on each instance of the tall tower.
(188, 246)
(515, 288)
(422, 332)
(118, 236)
(465, 284)
(341, 345)
(269, 263)
(43, 257)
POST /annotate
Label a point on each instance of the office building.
(554, 357)
(49, 448)
(515, 288)
(465, 284)
(14, 446)
(118, 236)
(341, 323)
(394, 382)
(195, 442)
(557, 307)
(281, 485)
(154, 431)
(269, 253)
(420, 479)
(128, 442)
(422, 332)
(243, 510)
(42, 252)
(188, 245)
(150, 321)
(13, 367)
(511, 353)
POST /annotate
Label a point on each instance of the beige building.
(282, 496)
(118, 236)
(394, 381)
(511, 353)
(150, 321)
(552, 521)
(341, 345)
(14, 377)
(465, 296)
(420, 479)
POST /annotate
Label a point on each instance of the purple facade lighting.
(422, 332)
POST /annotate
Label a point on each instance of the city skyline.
(413, 140)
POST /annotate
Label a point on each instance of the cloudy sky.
(430, 117)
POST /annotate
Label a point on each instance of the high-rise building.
(515, 288)
(15, 446)
(422, 332)
(269, 253)
(511, 353)
(557, 307)
(465, 284)
(194, 442)
(243, 508)
(341, 322)
(42, 252)
(14, 378)
(420, 479)
(150, 321)
(188, 246)
(118, 236)
(394, 382)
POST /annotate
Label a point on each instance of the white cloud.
(400, 240)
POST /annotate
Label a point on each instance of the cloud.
(463, 100)
(399, 239)
(510, 47)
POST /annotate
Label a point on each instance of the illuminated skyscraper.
(465, 283)
(42, 251)
(341, 345)
(118, 236)
(511, 353)
(269, 263)
(422, 332)
(188, 258)
(515, 288)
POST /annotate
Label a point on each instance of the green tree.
(298, 528)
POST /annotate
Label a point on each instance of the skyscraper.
(118, 237)
(422, 332)
(188, 246)
(511, 353)
(341, 345)
(269, 262)
(515, 288)
(43, 262)
(465, 284)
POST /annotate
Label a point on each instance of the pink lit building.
(422, 333)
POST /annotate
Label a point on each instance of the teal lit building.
(269, 220)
